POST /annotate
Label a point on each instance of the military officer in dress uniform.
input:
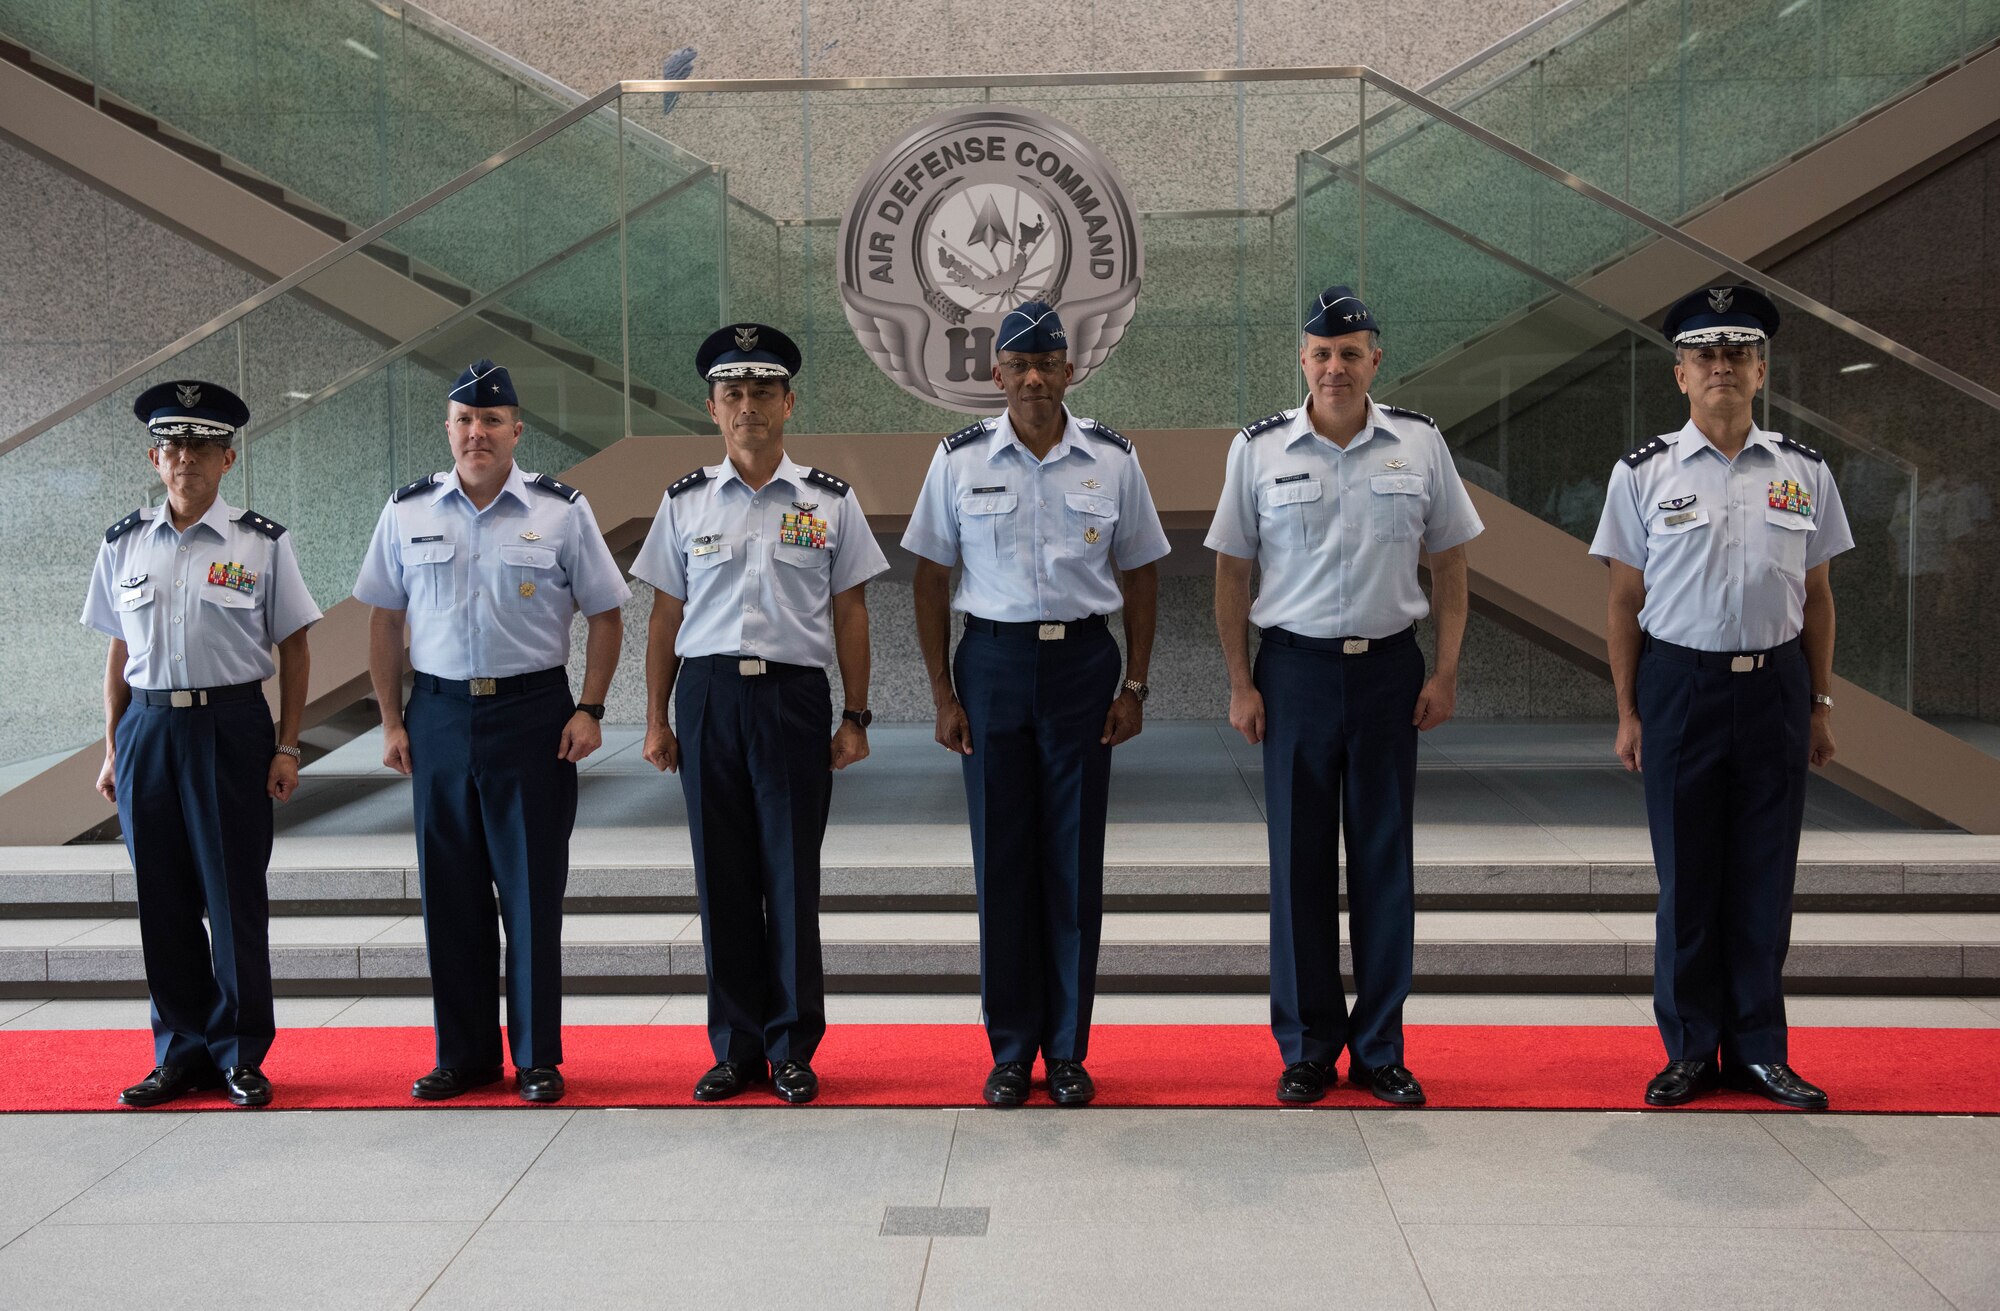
(488, 564)
(1334, 502)
(1056, 528)
(1718, 539)
(193, 595)
(759, 564)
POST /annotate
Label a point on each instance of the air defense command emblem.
(971, 213)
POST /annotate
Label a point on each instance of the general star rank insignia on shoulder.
(802, 530)
(1678, 502)
(233, 576)
(1784, 494)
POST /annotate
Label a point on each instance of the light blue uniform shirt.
(1337, 532)
(1040, 540)
(201, 608)
(1725, 545)
(758, 570)
(489, 592)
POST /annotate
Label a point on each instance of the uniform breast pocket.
(1399, 506)
(1787, 535)
(800, 579)
(1091, 520)
(238, 606)
(1290, 514)
(137, 618)
(530, 571)
(990, 525)
(430, 572)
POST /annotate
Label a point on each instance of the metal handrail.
(1663, 231)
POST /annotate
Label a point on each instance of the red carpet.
(1931, 1071)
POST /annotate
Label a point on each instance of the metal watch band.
(293, 752)
(1138, 689)
(1822, 699)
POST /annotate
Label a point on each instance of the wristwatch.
(594, 709)
(293, 752)
(1137, 688)
(1822, 699)
(859, 718)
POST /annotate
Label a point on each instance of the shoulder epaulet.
(1793, 444)
(1266, 424)
(125, 525)
(1645, 453)
(1402, 413)
(827, 480)
(268, 527)
(1106, 431)
(966, 434)
(543, 483)
(408, 490)
(689, 483)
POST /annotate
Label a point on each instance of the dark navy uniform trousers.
(1037, 785)
(494, 809)
(1339, 748)
(757, 772)
(1723, 756)
(197, 820)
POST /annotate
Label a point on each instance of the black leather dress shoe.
(167, 1082)
(1070, 1084)
(246, 1085)
(1389, 1083)
(727, 1079)
(539, 1083)
(1777, 1081)
(795, 1082)
(1681, 1081)
(446, 1082)
(1007, 1085)
(1303, 1081)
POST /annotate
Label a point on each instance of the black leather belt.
(1736, 662)
(1045, 632)
(750, 666)
(1347, 646)
(493, 686)
(190, 697)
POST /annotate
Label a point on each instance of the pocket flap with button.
(428, 552)
(229, 598)
(988, 504)
(1084, 503)
(709, 555)
(529, 557)
(1798, 523)
(1397, 484)
(134, 598)
(1308, 489)
(803, 557)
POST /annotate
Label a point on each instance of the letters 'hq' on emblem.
(971, 213)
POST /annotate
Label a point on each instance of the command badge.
(1091, 535)
(527, 589)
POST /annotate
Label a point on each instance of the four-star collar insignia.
(531, 537)
(1678, 502)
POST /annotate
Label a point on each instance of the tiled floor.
(755, 1206)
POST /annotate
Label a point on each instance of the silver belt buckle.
(180, 700)
(1744, 664)
(482, 686)
(751, 668)
(1050, 632)
(1354, 646)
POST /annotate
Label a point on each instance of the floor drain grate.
(934, 1222)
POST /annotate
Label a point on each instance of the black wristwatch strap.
(861, 718)
(594, 709)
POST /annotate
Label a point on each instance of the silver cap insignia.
(188, 394)
(1721, 298)
(746, 339)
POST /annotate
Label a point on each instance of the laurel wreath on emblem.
(1721, 298)
(972, 212)
(188, 394)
